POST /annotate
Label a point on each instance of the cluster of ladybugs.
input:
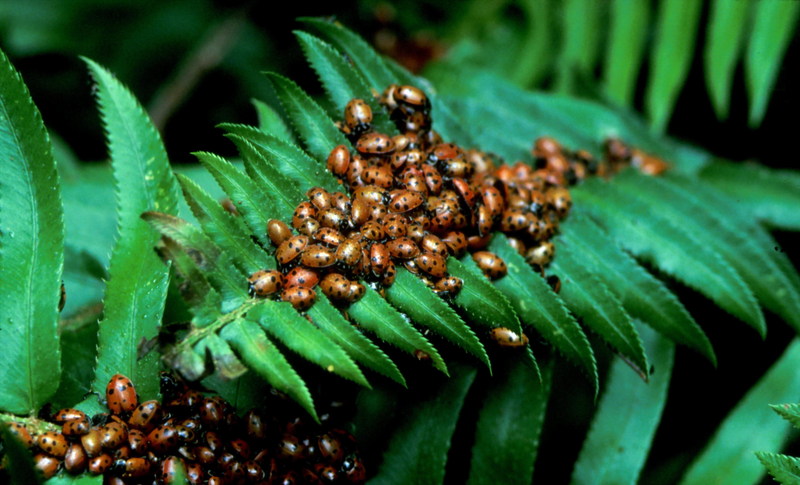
(415, 201)
(145, 442)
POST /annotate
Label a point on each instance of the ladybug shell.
(410, 95)
(545, 146)
(137, 441)
(360, 212)
(375, 144)
(513, 220)
(113, 434)
(75, 460)
(300, 298)
(278, 231)
(380, 176)
(53, 443)
(317, 256)
(291, 248)
(339, 160)
(301, 276)
(517, 244)
(477, 243)
(416, 231)
(332, 218)
(508, 338)
(449, 284)
(484, 221)
(405, 200)
(357, 290)
(145, 415)
(169, 468)
(372, 230)
(162, 439)
(349, 252)
(204, 455)
(354, 170)
(378, 212)
(76, 427)
(491, 264)
(328, 236)
(330, 448)
(389, 274)
(121, 395)
(432, 263)
(379, 258)
(136, 467)
(304, 210)
(403, 248)
(395, 226)
(335, 286)
(92, 442)
(99, 464)
(264, 283)
(68, 414)
(541, 254)
(456, 168)
(456, 242)
(372, 194)
(434, 244)
(492, 200)
(357, 115)
(433, 179)
(340, 201)
(256, 424)
(47, 465)
(319, 198)
(253, 471)
(560, 200)
(20, 430)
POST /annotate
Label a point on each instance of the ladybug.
(538, 199)
(229, 207)
(300, 298)
(411, 96)
(375, 144)
(434, 244)
(545, 146)
(432, 263)
(416, 231)
(379, 258)
(514, 220)
(373, 230)
(491, 264)
(507, 338)
(389, 274)
(380, 176)
(264, 283)
(76, 427)
(353, 469)
(319, 198)
(492, 200)
(69, 414)
(448, 286)
(135, 467)
(256, 426)
(291, 249)
(349, 252)
(21, 432)
(484, 221)
(339, 160)
(360, 212)
(340, 201)
(304, 210)
(145, 415)
(278, 231)
(240, 447)
(517, 244)
(47, 465)
(185, 434)
(480, 160)
(378, 212)
(403, 248)
(204, 455)
(92, 442)
(433, 179)
(414, 180)
(357, 290)
(330, 448)
(253, 471)
(113, 434)
(169, 468)
(372, 194)
(332, 218)
(405, 200)
(308, 227)
(99, 464)
(335, 286)
(137, 441)
(75, 460)
(394, 226)
(328, 236)
(456, 242)
(53, 443)
(121, 395)
(457, 167)
(477, 243)
(290, 447)
(317, 256)
(301, 276)
(465, 192)
(541, 255)
(357, 116)
(387, 98)
(162, 439)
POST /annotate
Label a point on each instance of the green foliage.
(31, 250)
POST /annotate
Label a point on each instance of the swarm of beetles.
(415, 200)
(143, 443)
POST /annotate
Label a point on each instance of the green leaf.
(626, 420)
(226, 364)
(773, 30)
(293, 330)
(772, 196)
(726, 29)
(66, 479)
(673, 48)
(271, 123)
(658, 239)
(138, 279)
(789, 412)
(345, 335)
(341, 81)
(580, 43)
(785, 469)
(284, 195)
(203, 300)
(249, 200)
(374, 314)
(312, 124)
(255, 349)
(213, 263)
(587, 296)
(540, 308)
(509, 425)
(537, 43)
(751, 426)
(482, 302)
(78, 354)
(417, 452)
(31, 250)
(625, 48)
(410, 295)
(228, 232)
(372, 66)
(246, 392)
(642, 295)
(288, 158)
(17, 460)
(713, 221)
